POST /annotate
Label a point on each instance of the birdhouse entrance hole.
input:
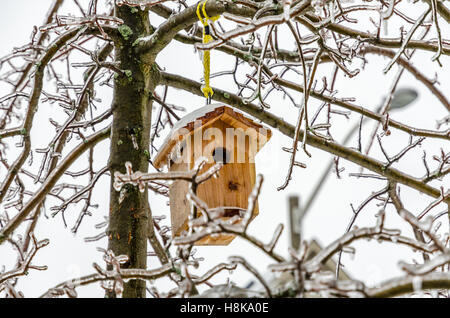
(221, 154)
(230, 212)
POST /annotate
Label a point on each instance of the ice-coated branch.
(211, 223)
(251, 269)
(382, 234)
(140, 179)
(406, 285)
(157, 41)
(428, 267)
(288, 130)
(25, 265)
(70, 285)
(213, 271)
(422, 226)
(50, 182)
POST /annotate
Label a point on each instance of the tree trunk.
(130, 136)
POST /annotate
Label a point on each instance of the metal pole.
(295, 221)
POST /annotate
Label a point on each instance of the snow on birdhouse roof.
(207, 115)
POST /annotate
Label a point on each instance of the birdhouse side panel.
(179, 204)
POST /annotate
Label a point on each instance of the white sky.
(68, 256)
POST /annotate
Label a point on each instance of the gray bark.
(130, 136)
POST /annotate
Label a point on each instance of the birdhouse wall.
(179, 205)
(237, 176)
(234, 183)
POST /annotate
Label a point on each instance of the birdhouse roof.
(207, 115)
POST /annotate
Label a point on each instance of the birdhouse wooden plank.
(213, 133)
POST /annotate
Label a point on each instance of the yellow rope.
(206, 89)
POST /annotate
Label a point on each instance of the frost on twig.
(141, 179)
(24, 264)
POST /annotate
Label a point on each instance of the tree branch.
(51, 181)
(405, 285)
(108, 276)
(154, 43)
(287, 129)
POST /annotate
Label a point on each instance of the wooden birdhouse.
(213, 133)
